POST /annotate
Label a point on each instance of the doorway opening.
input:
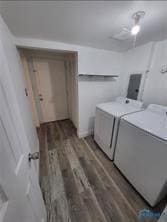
(50, 84)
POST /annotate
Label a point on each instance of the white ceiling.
(87, 23)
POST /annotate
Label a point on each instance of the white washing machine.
(107, 122)
(141, 151)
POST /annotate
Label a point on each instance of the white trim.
(85, 133)
(48, 44)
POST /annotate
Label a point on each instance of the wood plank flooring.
(79, 183)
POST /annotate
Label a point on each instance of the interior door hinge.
(26, 92)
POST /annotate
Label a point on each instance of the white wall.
(95, 61)
(152, 57)
(135, 61)
(156, 84)
(92, 92)
(13, 81)
(90, 61)
(72, 89)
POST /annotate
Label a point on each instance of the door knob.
(41, 99)
(33, 156)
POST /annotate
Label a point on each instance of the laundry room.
(83, 117)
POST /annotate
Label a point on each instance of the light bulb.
(135, 29)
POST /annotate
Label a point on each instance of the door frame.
(33, 53)
(29, 92)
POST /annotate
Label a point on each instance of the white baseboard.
(84, 134)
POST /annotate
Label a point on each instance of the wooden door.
(52, 89)
(20, 195)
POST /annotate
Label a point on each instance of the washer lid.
(153, 120)
(118, 109)
(124, 100)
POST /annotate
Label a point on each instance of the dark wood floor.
(79, 183)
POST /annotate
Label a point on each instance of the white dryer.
(107, 122)
(141, 151)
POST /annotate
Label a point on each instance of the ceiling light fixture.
(137, 16)
(127, 32)
(135, 30)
